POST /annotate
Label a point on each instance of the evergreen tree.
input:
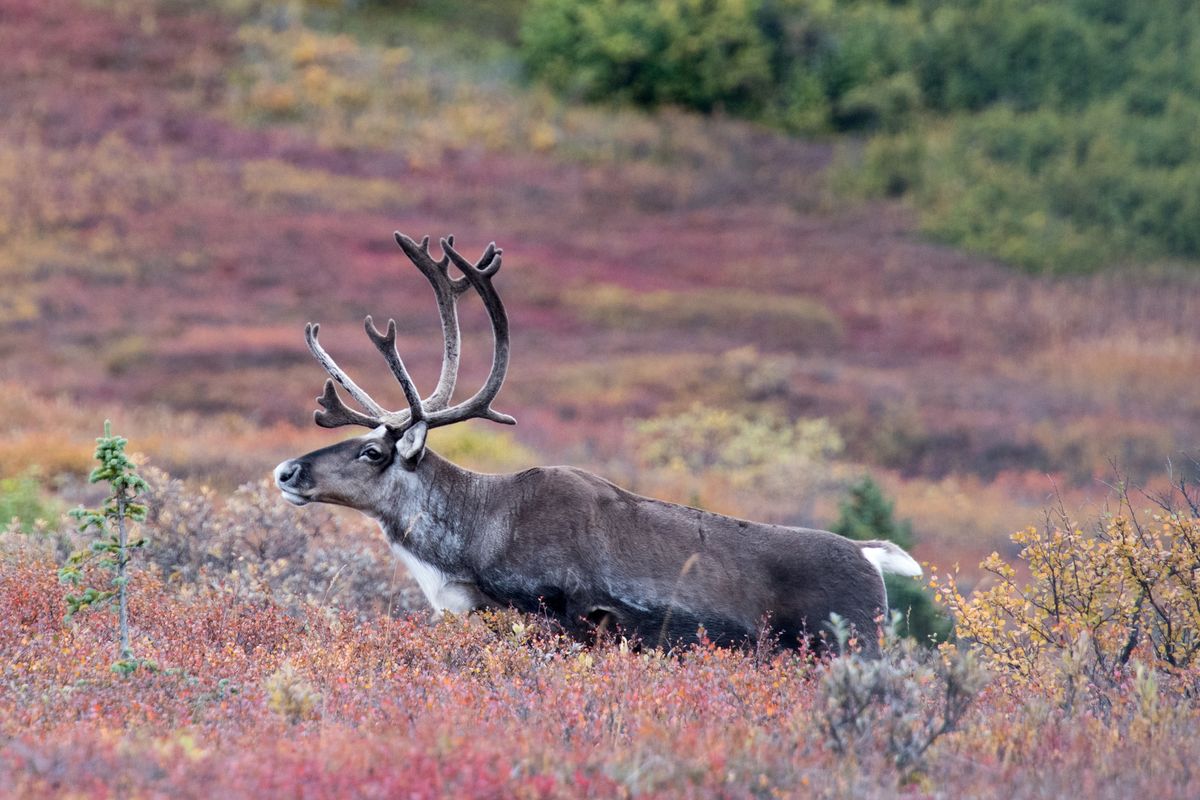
(113, 547)
(867, 514)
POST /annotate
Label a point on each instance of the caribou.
(562, 541)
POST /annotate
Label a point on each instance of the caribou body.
(560, 540)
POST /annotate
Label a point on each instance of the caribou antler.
(434, 410)
(447, 290)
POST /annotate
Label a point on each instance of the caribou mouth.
(295, 499)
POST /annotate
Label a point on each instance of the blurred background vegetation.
(1055, 136)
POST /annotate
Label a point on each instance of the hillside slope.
(163, 247)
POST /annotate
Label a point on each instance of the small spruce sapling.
(866, 513)
(113, 546)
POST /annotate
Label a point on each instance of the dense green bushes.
(1056, 190)
(1055, 136)
(854, 64)
(697, 53)
(804, 66)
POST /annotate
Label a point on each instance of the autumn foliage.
(1087, 606)
(698, 312)
(257, 688)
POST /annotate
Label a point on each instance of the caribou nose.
(289, 477)
(285, 472)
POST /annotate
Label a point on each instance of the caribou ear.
(410, 447)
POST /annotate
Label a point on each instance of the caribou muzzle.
(294, 479)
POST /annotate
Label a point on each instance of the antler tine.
(459, 285)
(479, 275)
(336, 412)
(489, 264)
(447, 290)
(362, 398)
(386, 344)
(420, 256)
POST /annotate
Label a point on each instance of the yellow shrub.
(1088, 603)
(775, 466)
(277, 184)
(275, 100)
(791, 318)
(291, 696)
(482, 449)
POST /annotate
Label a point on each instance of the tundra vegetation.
(1059, 138)
(229, 164)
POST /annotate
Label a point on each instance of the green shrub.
(892, 166)
(1018, 53)
(1061, 191)
(22, 501)
(702, 54)
(800, 65)
(867, 514)
(1070, 140)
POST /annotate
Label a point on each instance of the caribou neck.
(437, 512)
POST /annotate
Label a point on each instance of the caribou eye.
(371, 453)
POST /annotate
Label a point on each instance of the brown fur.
(571, 544)
(559, 539)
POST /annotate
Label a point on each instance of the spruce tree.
(865, 514)
(113, 547)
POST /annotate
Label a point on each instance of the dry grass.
(799, 322)
(1129, 371)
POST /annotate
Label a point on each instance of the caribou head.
(560, 540)
(350, 473)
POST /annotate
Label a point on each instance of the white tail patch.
(889, 558)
